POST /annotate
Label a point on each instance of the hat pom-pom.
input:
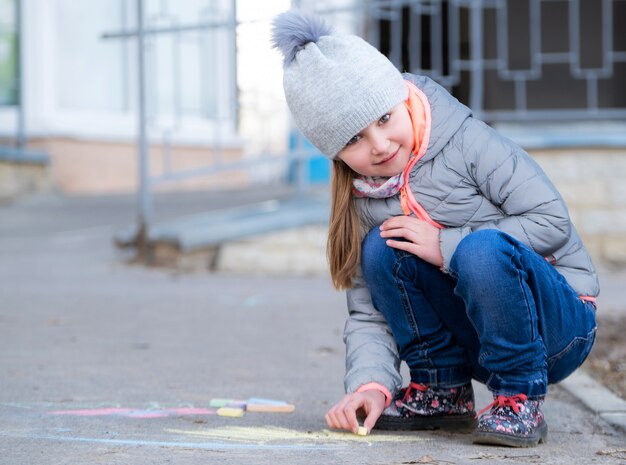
(293, 29)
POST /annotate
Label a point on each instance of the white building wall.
(78, 84)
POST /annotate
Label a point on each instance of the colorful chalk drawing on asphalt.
(165, 443)
(270, 434)
(219, 405)
(219, 438)
(135, 413)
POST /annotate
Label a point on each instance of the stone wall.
(18, 179)
(592, 182)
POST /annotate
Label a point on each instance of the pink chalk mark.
(135, 413)
(95, 412)
(170, 412)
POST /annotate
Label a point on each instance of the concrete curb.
(597, 398)
(292, 252)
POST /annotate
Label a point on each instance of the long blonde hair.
(344, 231)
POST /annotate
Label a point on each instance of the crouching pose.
(457, 253)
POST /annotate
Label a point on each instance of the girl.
(457, 253)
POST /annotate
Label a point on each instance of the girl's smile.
(386, 160)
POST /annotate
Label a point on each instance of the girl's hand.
(343, 414)
(421, 238)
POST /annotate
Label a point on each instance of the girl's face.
(384, 147)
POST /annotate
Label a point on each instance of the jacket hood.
(448, 114)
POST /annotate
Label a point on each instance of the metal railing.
(143, 35)
(146, 111)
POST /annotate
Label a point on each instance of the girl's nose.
(379, 142)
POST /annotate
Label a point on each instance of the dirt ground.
(607, 361)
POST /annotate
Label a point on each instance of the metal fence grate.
(511, 59)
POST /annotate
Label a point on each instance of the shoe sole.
(456, 423)
(501, 439)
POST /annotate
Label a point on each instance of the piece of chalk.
(217, 403)
(230, 412)
(286, 408)
(362, 431)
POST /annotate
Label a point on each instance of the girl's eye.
(354, 140)
(383, 119)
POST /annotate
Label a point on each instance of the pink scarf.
(419, 109)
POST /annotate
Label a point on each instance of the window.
(8, 53)
(83, 84)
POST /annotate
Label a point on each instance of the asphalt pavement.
(107, 361)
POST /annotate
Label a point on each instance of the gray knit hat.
(335, 85)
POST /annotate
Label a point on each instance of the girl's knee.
(480, 248)
(374, 252)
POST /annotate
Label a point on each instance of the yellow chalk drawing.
(271, 434)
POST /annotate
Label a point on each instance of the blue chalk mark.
(188, 445)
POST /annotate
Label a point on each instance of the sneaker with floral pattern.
(514, 421)
(419, 406)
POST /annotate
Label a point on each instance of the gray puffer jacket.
(470, 178)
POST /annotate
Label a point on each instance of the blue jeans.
(503, 316)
